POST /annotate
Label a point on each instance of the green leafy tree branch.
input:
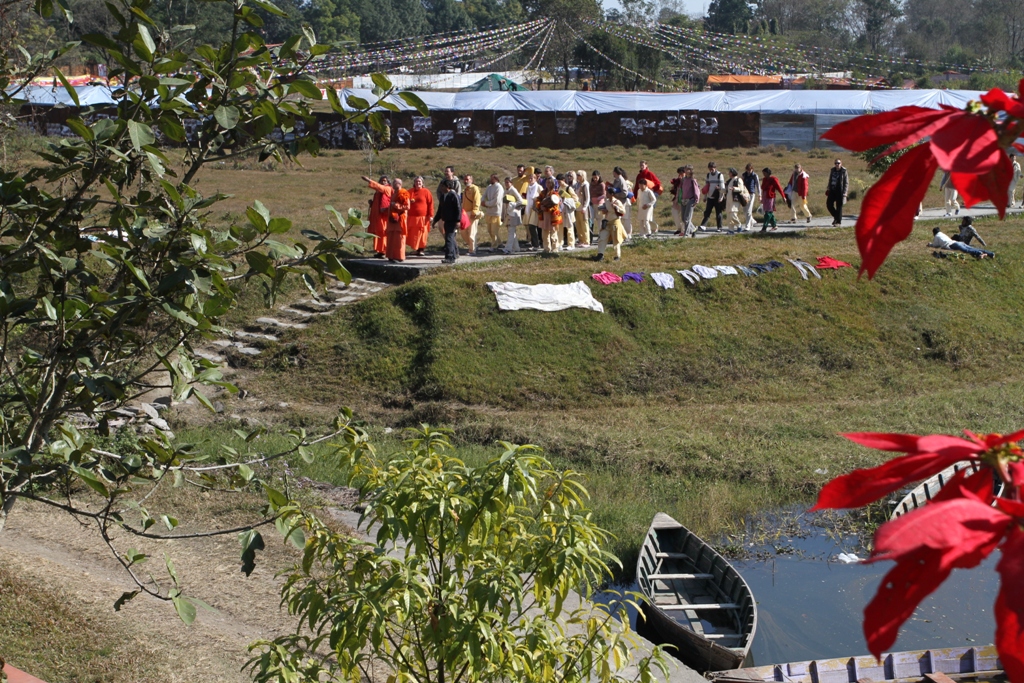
(470, 576)
(110, 273)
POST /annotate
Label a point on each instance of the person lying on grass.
(967, 232)
(940, 240)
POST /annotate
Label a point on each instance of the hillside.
(709, 402)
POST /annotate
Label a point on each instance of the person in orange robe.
(421, 212)
(379, 207)
(398, 228)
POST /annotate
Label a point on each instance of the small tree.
(468, 580)
(110, 272)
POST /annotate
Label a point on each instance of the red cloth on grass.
(826, 262)
(606, 278)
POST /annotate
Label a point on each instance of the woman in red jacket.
(799, 187)
(769, 186)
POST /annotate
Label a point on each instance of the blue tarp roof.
(846, 102)
(46, 95)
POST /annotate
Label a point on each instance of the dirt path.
(56, 552)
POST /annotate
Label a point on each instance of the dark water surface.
(810, 605)
(813, 608)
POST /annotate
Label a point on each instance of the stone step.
(274, 322)
(302, 315)
(210, 356)
(242, 334)
(314, 306)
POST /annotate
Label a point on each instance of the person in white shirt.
(583, 210)
(714, 189)
(645, 201)
(941, 240)
(622, 189)
(1012, 190)
(570, 202)
(514, 205)
(492, 204)
(952, 205)
(737, 198)
(533, 189)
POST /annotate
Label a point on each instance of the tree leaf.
(306, 88)
(227, 116)
(381, 81)
(147, 41)
(140, 134)
(72, 93)
(252, 542)
(125, 597)
(413, 100)
(185, 609)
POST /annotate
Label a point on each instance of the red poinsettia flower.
(957, 529)
(925, 456)
(969, 145)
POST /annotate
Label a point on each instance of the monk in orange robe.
(380, 205)
(398, 213)
(421, 212)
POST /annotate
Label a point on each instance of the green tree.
(470, 578)
(728, 16)
(877, 18)
(334, 20)
(447, 16)
(109, 271)
(485, 13)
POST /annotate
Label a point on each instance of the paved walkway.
(384, 271)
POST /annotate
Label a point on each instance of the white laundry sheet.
(513, 296)
(664, 280)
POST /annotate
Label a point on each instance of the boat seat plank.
(671, 577)
(696, 607)
(671, 556)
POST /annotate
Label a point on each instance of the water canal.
(810, 603)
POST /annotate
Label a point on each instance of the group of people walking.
(554, 211)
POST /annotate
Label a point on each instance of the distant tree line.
(989, 33)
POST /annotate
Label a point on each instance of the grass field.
(300, 192)
(708, 402)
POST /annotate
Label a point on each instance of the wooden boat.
(895, 667)
(927, 489)
(694, 599)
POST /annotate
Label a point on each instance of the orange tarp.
(729, 78)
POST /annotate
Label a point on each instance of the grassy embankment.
(707, 402)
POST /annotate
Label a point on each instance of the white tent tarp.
(839, 102)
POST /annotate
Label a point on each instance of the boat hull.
(694, 600)
(894, 667)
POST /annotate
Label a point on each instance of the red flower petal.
(967, 143)
(995, 440)
(989, 186)
(1016, 470)
(914, 443)
(887, 213)
(927, 545)
(914, 578)
(861, 487)
(1011, 507)
(901, 126)
(1010, 606)
(959, 527)
(998, 100)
